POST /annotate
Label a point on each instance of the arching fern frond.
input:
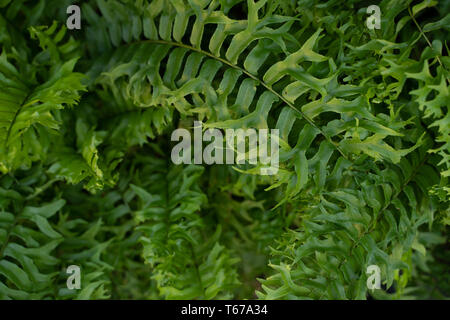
(219, 83)
(28, 106)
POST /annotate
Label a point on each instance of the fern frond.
(27, 242)
(28, 108)
(185, 264)
(349, 229)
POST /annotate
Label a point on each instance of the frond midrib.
(252, 76)
(13, 121)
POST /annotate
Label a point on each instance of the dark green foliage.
(86, 176)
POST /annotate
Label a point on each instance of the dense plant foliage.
(86, 176)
